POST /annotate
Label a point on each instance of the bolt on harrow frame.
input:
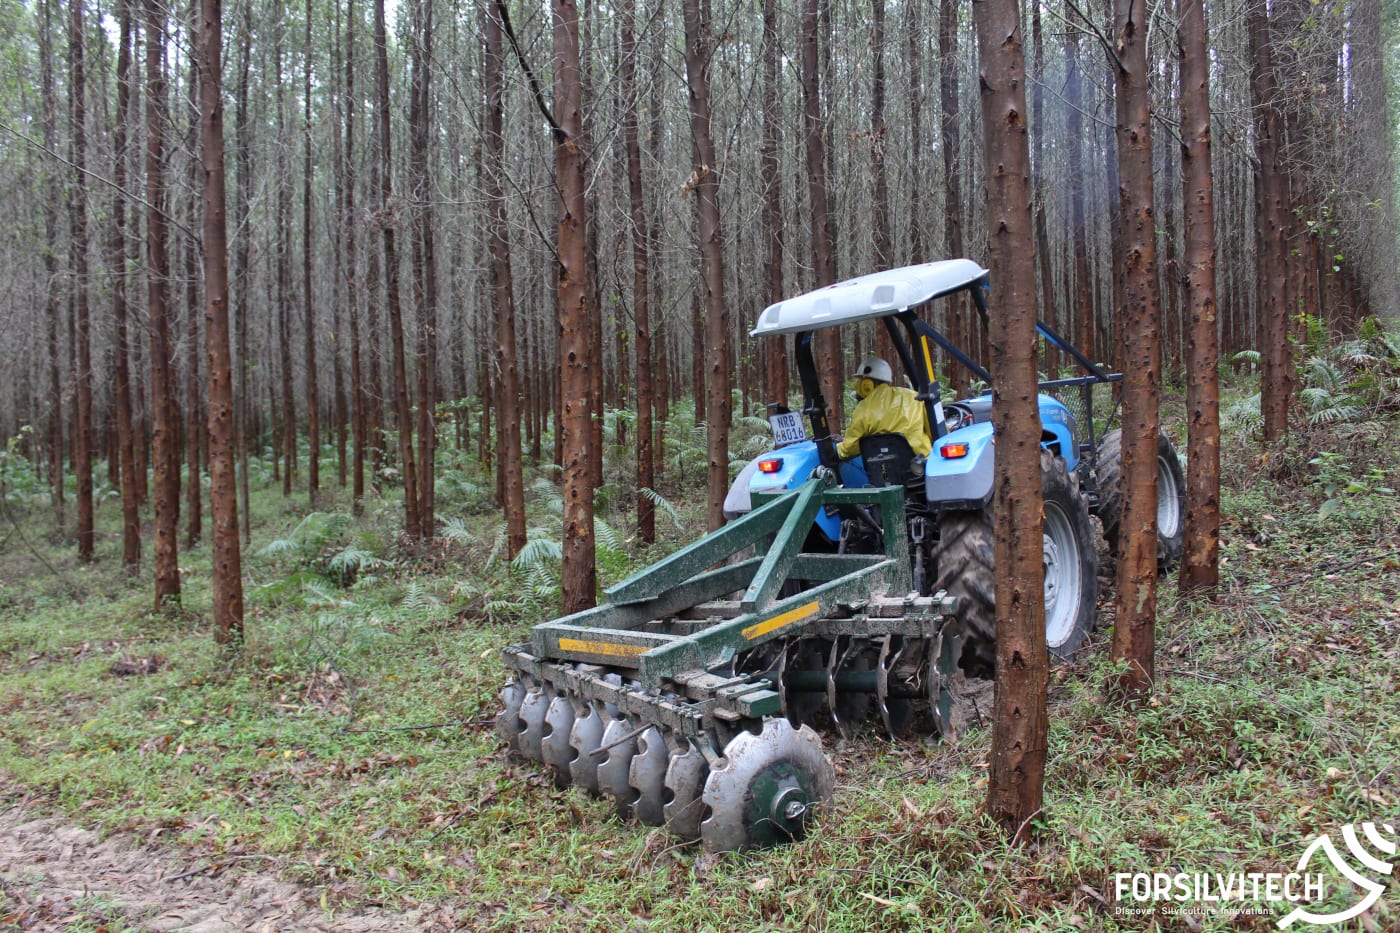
(690, 708)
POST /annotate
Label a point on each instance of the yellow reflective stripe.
(800, 614)
(607, 648)
(928, 359)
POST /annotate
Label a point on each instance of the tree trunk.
(705, 176)
(573, 437)
(1271, 189)
(1082, 307)
(503, 294)
(164, 422)
(223, 496)
(313, 407)
(775, 369)
(82, 421)
(960, 326)
(239, 298)
(353, 287)
(1136, 598)
(403, 413)
(424, 264)
(1023, 663)
(641, 281)
(284, 281)
(828, 341)
(117, 261)
(53, 294)
(1200, 570)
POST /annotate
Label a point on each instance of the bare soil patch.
(58, 876)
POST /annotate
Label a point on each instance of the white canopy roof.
(879, 294)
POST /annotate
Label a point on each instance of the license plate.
(787, 428)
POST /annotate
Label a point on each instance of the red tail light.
(953, 451)
(772, 465)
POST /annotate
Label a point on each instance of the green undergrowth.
(349, 745)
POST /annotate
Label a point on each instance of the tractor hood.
(879, 294)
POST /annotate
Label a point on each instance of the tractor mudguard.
(1058, 430)
(787, 468)
(962, 482)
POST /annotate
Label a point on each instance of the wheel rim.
(1063, 582)
(1168, 500)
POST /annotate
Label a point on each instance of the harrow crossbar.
(650, 624)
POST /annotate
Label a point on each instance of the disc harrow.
(692, 709)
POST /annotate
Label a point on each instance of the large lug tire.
(1171, 497)
(966, 569)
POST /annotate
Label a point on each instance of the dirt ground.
(56, 876)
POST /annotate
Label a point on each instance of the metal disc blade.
(647, 777)
(584, 738)
(766, 789)
(613, 770)
(554, 747)
(532, 711)
(508, 719)
(685, 782)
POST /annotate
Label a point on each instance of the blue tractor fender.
(787, 468)
(958, 473)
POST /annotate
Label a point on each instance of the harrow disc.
(685, 782)
(554, 747)
(508, 719)
(585, 738)
(532, 712)
(615, 768)
(647, 777)
(766, 789)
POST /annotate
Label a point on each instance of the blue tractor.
(839, 591)
(948, 495)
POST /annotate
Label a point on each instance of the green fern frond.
(664, 505)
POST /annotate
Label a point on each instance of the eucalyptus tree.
(1019, 724)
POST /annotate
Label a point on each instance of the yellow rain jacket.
(888, 410)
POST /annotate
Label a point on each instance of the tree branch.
(559, 134)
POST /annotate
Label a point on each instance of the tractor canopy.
(880, 294)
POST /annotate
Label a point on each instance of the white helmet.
(874, 368)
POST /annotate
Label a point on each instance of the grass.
(349, 745)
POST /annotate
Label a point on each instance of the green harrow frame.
(692, 709)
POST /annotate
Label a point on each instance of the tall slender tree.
(118, 264)
(1135, 601)
(1018, 719)
(164, 420)
(388, 222)
(53, 294)
(503, 292)
(959, 325)
(424, 260)
(223, 494)
(575, 329)
(313, 404)
(705, 181)
(641, 278)
(775, 370)
(1200, 570)
(77, 203)
(828, 341)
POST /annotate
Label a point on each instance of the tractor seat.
(889, 460)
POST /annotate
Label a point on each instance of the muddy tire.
(1171, 497)
(965, 558)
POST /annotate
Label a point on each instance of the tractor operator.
(883, 408)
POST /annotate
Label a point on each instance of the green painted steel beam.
(716, 546)
(785, 617)
(787, 543)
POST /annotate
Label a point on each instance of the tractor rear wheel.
(1171, 497)
(965, 559)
